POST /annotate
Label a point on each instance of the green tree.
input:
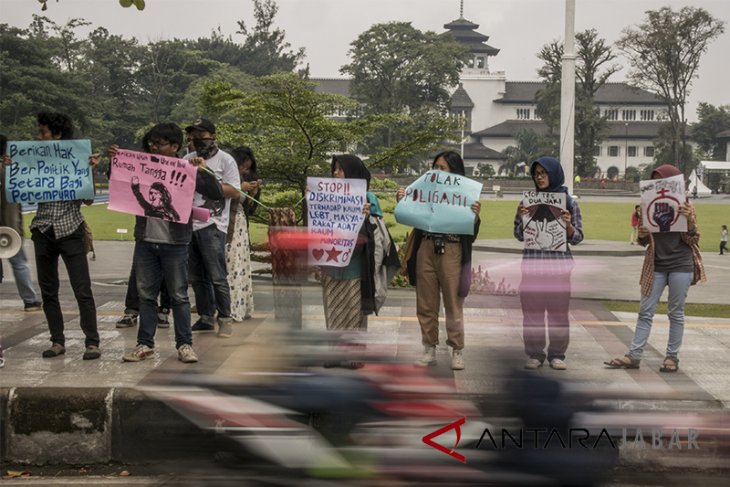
(594, 67)
(711, 121)
(528, 148)
(665, 52)
(396, 66)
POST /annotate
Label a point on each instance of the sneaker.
(186, 354)
(92, 353)
(532, 364)
(225, 327)
(55, 350)
(428, 358)
(34, 306)
(457, 360)
(139, 353)
(201, 325)
(128, 320)
(163, 319)
(558, 364)
(2, 358)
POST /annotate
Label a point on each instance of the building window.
(611, 114)
(480, 62)
(597, 151)
(646, 115)
(614, 151)
(632, 151)
(523, 114)
(649, 151)
(628, 114)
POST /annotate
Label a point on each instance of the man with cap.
(208, 246)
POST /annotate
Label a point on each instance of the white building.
(497, 109)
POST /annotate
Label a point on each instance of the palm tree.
(527, 150)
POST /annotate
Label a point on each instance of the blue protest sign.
(439, 202)
(53, 170)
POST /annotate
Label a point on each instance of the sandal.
(624, 362)
(671, 364)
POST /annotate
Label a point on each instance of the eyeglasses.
(159, 143)
(539, 174)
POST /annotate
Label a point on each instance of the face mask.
(205, 148)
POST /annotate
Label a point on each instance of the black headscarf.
(352, 166)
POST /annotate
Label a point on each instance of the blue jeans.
(208, 267)
(155, 263)
(23, 279)
(678, 283)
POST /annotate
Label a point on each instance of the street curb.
(81, 426)
(577, 250)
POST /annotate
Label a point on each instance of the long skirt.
(342, 304)
(238, 263)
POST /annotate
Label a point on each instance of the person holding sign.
(440, 264)
(58, 230)
(673, 260)
(348, 291)
(546, 268)
(161, 256)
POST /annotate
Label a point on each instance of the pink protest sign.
(151, 185)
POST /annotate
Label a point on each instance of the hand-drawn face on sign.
(660, 202)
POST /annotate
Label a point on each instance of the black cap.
(202, 124)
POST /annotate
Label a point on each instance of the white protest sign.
(660, 202)
(334, 218)
(543, 224)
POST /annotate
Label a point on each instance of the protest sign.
(660, 202)
(334, 218)
(44, 171)
(152, 185)
(543, 224)
(439, 202)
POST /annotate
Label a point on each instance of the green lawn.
(690, 309)
(601, 221)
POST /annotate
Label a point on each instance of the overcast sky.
(325, 28)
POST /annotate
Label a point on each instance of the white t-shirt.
(226, 169)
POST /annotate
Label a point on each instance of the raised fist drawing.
(663, 216)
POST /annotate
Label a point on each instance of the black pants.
(541, 295)
(71, 249)
(723, 247)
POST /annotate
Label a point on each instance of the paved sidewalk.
(493, 333)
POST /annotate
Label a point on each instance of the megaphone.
(10, 242)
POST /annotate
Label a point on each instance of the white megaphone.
(10, 242)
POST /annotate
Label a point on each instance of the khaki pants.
(436, 275)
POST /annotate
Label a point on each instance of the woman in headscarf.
(545, 285)
(238, 246)
(348, 292)
(440, 265)
(673, 260)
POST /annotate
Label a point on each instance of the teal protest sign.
(54, 170)
(439, 202)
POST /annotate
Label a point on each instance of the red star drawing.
(332, 254)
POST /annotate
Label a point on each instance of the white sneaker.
(428, 358)
(558, 364)
(533, 364)
(186, 354)
(139, 353)
(457, 360)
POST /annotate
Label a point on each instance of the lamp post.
(626, 148)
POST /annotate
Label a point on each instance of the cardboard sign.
(439, 202)
(543, 225)
(49, 170)
(334, 218)
(660, 202)
(152, 185)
